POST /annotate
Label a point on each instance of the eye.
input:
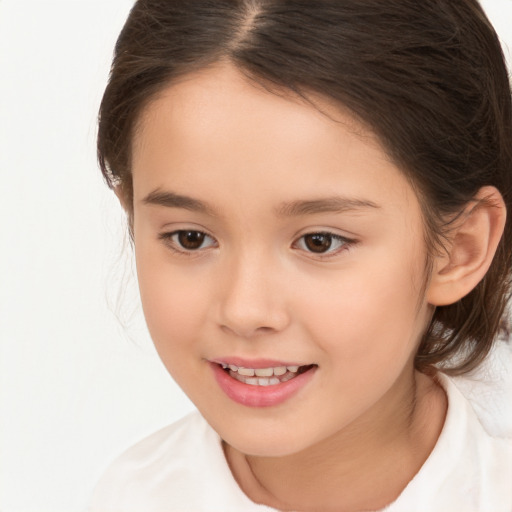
(186, 240)
(322, 243)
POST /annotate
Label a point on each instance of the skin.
(367, 420)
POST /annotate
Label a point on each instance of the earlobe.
(472, 243)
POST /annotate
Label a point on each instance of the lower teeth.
(262, 381)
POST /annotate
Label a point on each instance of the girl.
(317, 196)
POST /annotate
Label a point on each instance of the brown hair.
(428, 78)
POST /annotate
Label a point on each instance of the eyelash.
(171, 240)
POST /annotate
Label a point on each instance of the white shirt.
(182, 468)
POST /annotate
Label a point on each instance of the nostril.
(265, 329)
(247, 331)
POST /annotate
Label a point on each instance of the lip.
(259, 396)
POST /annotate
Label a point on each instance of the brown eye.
(190, 240)
(323, 243)
(187, 240)
(318, 242)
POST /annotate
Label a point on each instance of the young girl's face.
(269, 235)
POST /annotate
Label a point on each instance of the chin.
(264, 442)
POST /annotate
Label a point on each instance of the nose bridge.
(252, 301)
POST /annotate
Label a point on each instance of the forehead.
(220, 134)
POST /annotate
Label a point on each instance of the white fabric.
(182, 467)
(489, 389)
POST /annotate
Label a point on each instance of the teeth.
(264, 372)
(280, 370)
(262, 381)
(262, 376)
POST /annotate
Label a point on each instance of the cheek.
(173, 302)
(174, 308)
(368, 316)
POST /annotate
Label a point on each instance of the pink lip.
(259, 396)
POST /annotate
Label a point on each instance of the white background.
(79, 379)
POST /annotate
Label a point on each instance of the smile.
(263, 386)
(271, 376)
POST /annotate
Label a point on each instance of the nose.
(252, 298)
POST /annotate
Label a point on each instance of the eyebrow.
(172, 200)
(333, 204)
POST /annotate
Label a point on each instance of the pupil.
(191, 239)
(318, 242)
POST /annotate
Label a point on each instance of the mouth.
(263, 383)
(270, 376)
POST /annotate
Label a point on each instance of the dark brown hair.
(427, 77)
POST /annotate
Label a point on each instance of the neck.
(374, 458)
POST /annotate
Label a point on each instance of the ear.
(471, 246)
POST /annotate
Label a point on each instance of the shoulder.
(489, 390)
(469, 468)
(141, 478)
(478, 438)
(166, 451)
(180, 467)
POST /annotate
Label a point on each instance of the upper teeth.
(261, 372)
